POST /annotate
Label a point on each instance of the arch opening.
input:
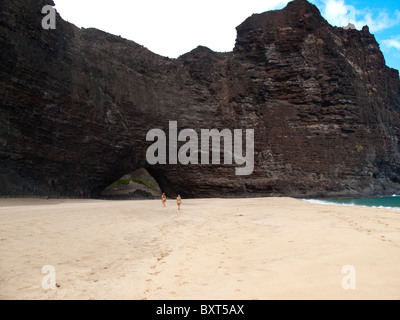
(136, 185)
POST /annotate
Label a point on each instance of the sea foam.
(327, 202)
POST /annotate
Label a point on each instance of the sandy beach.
(271, 248)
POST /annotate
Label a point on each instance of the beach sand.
(270, 248)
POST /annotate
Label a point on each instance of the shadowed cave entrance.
(136, 185)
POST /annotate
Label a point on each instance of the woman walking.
(179, 201)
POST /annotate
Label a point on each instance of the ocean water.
(392, 202)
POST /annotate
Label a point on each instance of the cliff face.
(76, 105)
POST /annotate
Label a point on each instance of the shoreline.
(106, 198)
(330, 202)
(321, 201)
(231, 249)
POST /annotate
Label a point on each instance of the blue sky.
(174, 27)
(382, 17)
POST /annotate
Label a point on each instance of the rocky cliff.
(76, 105)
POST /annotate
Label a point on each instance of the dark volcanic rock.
(76, 105)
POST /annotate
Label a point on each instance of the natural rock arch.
(77, 104)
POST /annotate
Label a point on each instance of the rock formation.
(76, 105)
(137, 185)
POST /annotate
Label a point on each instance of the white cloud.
(393, 43)
(379, 22)
(338, 13)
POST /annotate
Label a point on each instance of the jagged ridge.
(77, 104)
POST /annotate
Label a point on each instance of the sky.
(174, 27)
